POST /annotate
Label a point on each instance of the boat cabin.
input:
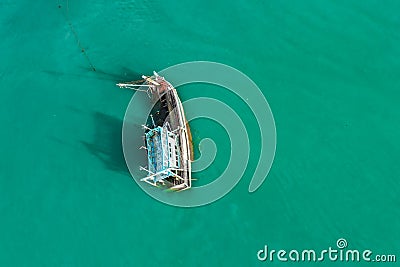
(163, 155)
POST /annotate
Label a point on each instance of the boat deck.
(168, 111)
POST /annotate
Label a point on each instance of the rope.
(72, 29)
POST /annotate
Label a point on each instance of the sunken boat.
(167, 137)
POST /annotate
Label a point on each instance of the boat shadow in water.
(106, 143)
(88, 73)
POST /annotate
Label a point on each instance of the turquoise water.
(329, 70)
